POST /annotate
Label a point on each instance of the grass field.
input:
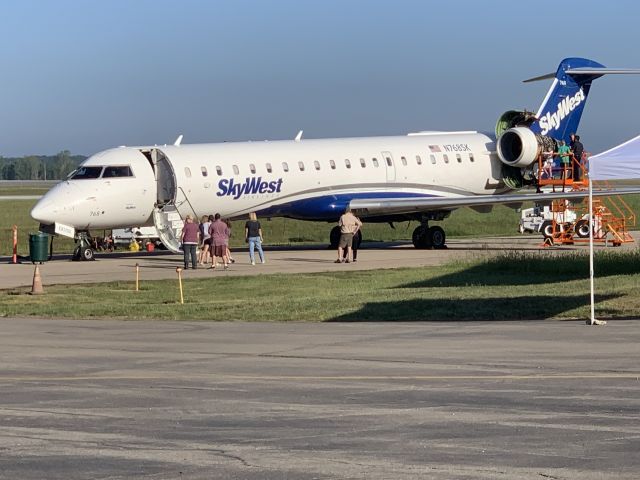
(516, 286)
(278, 231)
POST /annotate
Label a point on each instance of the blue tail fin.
(559, 115)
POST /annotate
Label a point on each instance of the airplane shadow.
(527, 308)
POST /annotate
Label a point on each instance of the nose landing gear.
(84, 250)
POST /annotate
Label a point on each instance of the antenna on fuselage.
(178, 141)
(298, 136)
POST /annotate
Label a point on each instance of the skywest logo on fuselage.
(565, 107)
(251, 186)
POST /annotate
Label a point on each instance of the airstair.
(168, 223)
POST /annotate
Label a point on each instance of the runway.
(162, 265)
(167, 400)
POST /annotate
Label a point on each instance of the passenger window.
(333, 164)
(446, 158)
(404, 161)
(219, 170)
(459, 158)
(316, 164)
(252, 167)
(236, 170)
(269, 169)
(187, 172)
(285, 166)
(471, 159)
(418, 160)
(389, 162)
(111, 172)
(433, 158)
(375, 162)
(347, 162)
(301, 166)
(84, 173)
(204, 171)
(363, 164)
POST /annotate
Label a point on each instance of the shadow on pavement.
(533, 308)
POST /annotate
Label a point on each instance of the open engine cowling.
(520, 147)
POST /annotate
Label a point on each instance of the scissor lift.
(612, 215)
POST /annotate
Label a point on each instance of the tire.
(582, 228)
(357, 239)
(87, 253)
(547, 229)
(421, 238)
(437, 237)
(334, 237)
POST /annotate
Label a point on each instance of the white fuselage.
(306, 179)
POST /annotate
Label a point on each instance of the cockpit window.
(119, 171)
(83, 173)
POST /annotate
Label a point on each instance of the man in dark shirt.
(578, 150)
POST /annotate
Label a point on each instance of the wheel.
(357, 239)
(420, 238)
(582, 228)
(436, 237)
(334, 237)
(547, 229)
(87, 253)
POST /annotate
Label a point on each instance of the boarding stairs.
(169, 224)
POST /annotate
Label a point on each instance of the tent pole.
(592, 320)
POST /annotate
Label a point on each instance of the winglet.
(178, 141)
(298, 136)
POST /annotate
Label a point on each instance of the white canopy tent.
(618, 163)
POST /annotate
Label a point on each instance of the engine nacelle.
(520, 147)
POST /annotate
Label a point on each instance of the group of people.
(212, 236)
(561, 160)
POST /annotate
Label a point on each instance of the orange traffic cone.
(36, 288)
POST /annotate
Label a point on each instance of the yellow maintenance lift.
(567, 223)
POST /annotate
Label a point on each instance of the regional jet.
(421, 176)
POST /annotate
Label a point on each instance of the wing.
(375, 206)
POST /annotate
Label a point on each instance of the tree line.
(39, 167)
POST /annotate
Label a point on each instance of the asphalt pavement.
(442, 400)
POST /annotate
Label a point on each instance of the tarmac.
(436, 400)
(162, 264)
(338, 400)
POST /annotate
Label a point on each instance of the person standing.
(357, 238)
(253, 235)
(578, 150)
(349, 224)
(220, 236)
(190, 236)
(228, 224)
(205, 238)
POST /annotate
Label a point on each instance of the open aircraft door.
(167, 217)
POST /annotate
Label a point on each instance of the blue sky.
(87, 76)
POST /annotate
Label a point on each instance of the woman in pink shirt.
(190, 237)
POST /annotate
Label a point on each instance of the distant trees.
(39, 167)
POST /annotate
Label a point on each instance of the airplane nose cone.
(43, 212)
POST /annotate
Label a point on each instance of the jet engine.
(520, 147)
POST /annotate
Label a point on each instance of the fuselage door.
(390, 166)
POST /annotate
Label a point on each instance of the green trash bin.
(38, 247)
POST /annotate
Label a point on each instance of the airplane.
(421, 176)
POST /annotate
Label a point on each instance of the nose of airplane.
(44, 211)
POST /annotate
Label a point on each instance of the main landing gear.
(84, 250)
(425, 236)
(334, 238)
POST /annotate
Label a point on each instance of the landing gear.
(334, 238)
(429, 237)
(83, 251)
